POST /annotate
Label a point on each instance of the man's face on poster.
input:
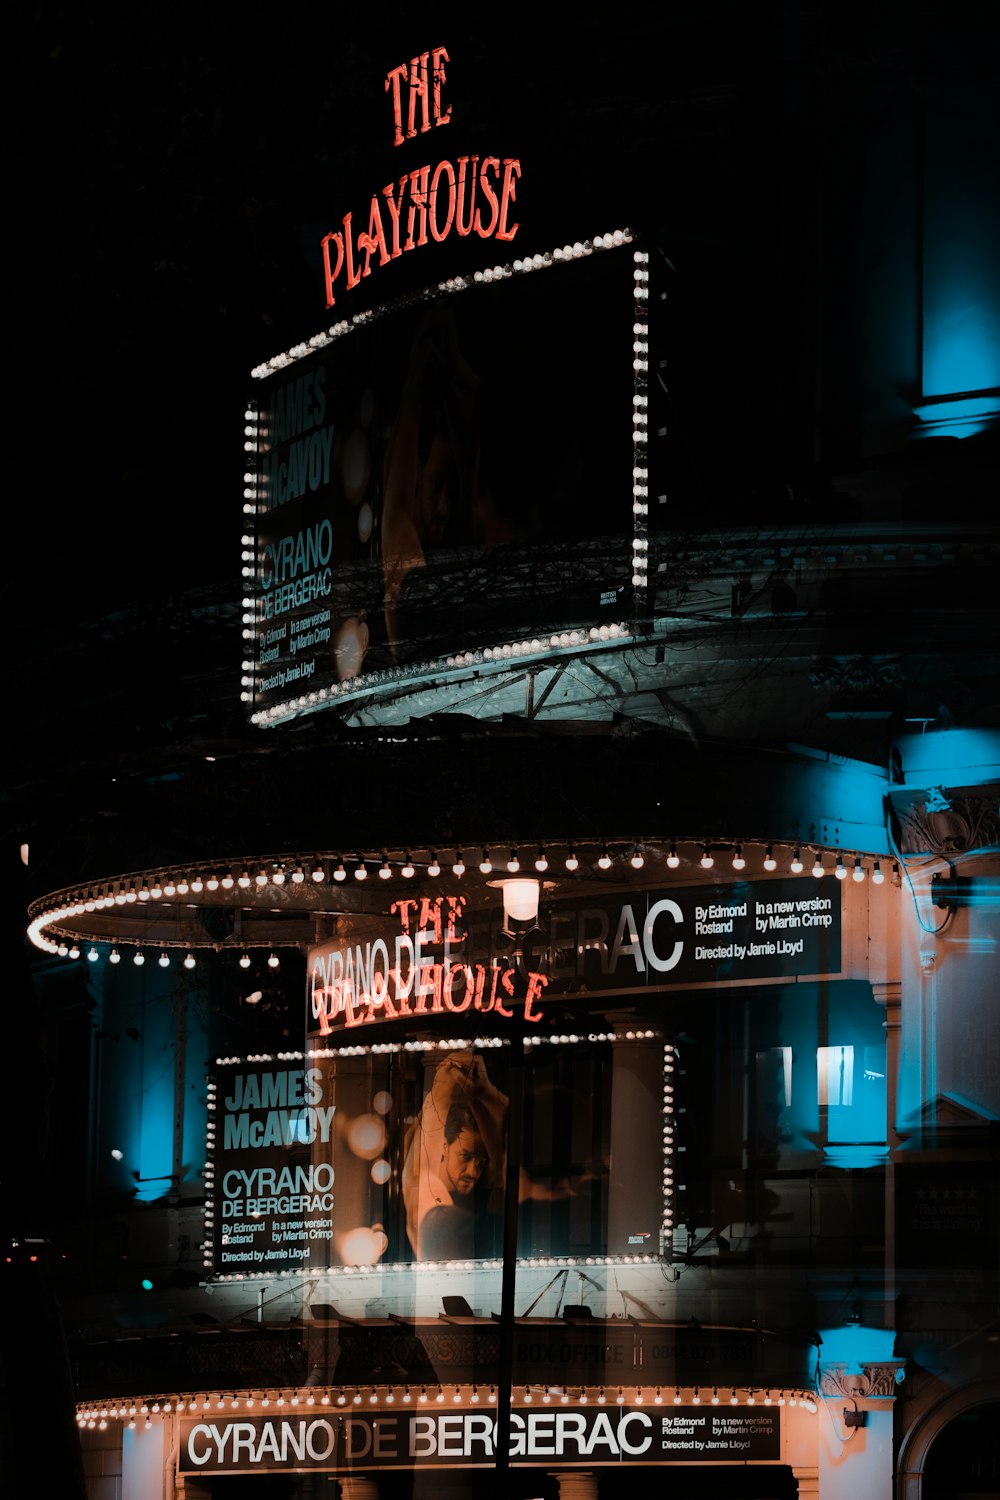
(434, 482)
(464, 1161)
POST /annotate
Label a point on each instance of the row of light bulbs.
(277, 873)
(317, 698)
(613, 239)
(429, 1267)
(164, 961)
(618, 632)
(640, 419)
(131, 890)
(89, 1415)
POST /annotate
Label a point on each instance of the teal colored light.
(961, 247)
(961, 341)
(853, 1345)
(155, 1102)
(146, 1284)
(952, 757)
(958, 416)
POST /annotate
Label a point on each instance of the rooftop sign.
(472, 195)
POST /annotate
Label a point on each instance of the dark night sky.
(171, 167)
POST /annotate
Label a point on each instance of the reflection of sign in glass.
(426, 484)
(422, 969)
(442, 1439)
(947, 1214)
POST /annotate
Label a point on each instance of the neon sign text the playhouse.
(470, 195)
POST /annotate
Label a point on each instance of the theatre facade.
(569, 1052)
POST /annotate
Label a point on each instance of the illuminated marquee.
(438, 965)
(472, 195)
(595, 1435)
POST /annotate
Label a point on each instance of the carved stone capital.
(871, 1382)
(947, 820)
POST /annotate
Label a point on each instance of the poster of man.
(454, 1165)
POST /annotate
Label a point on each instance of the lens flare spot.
(366, 1136)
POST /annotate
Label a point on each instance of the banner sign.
(436, 481)
(274, 1169)
(591, 1435)
(442, 960)
(381, 1159)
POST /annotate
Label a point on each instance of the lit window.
(834, 1075)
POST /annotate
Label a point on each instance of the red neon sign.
(472, 195)
(377, 981)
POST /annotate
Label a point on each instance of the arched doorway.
(964, 1460)
(952, 1452)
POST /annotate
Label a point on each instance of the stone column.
(888, 995)
(808, 1483)
(858, 1460)
(576, 1484)
(358, 1487)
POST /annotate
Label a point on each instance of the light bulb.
(770, 863)
(739, 863)
(604, 863)
(541, 862)
(164, 960)
(340, 873)
(361, 871)
(458, 868)
(877, 876)
(637, 860)
(673, 858)
(796, 864)
(572, 863)
(385, 870)
(273, 961)
(817, 868)
(434, 869)
(139, 958)
(858, 873)
(485, 864)
(513, 863)
(840, 871)
(189, 961)
(707, 860)
(407, 868)
(244, 960)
